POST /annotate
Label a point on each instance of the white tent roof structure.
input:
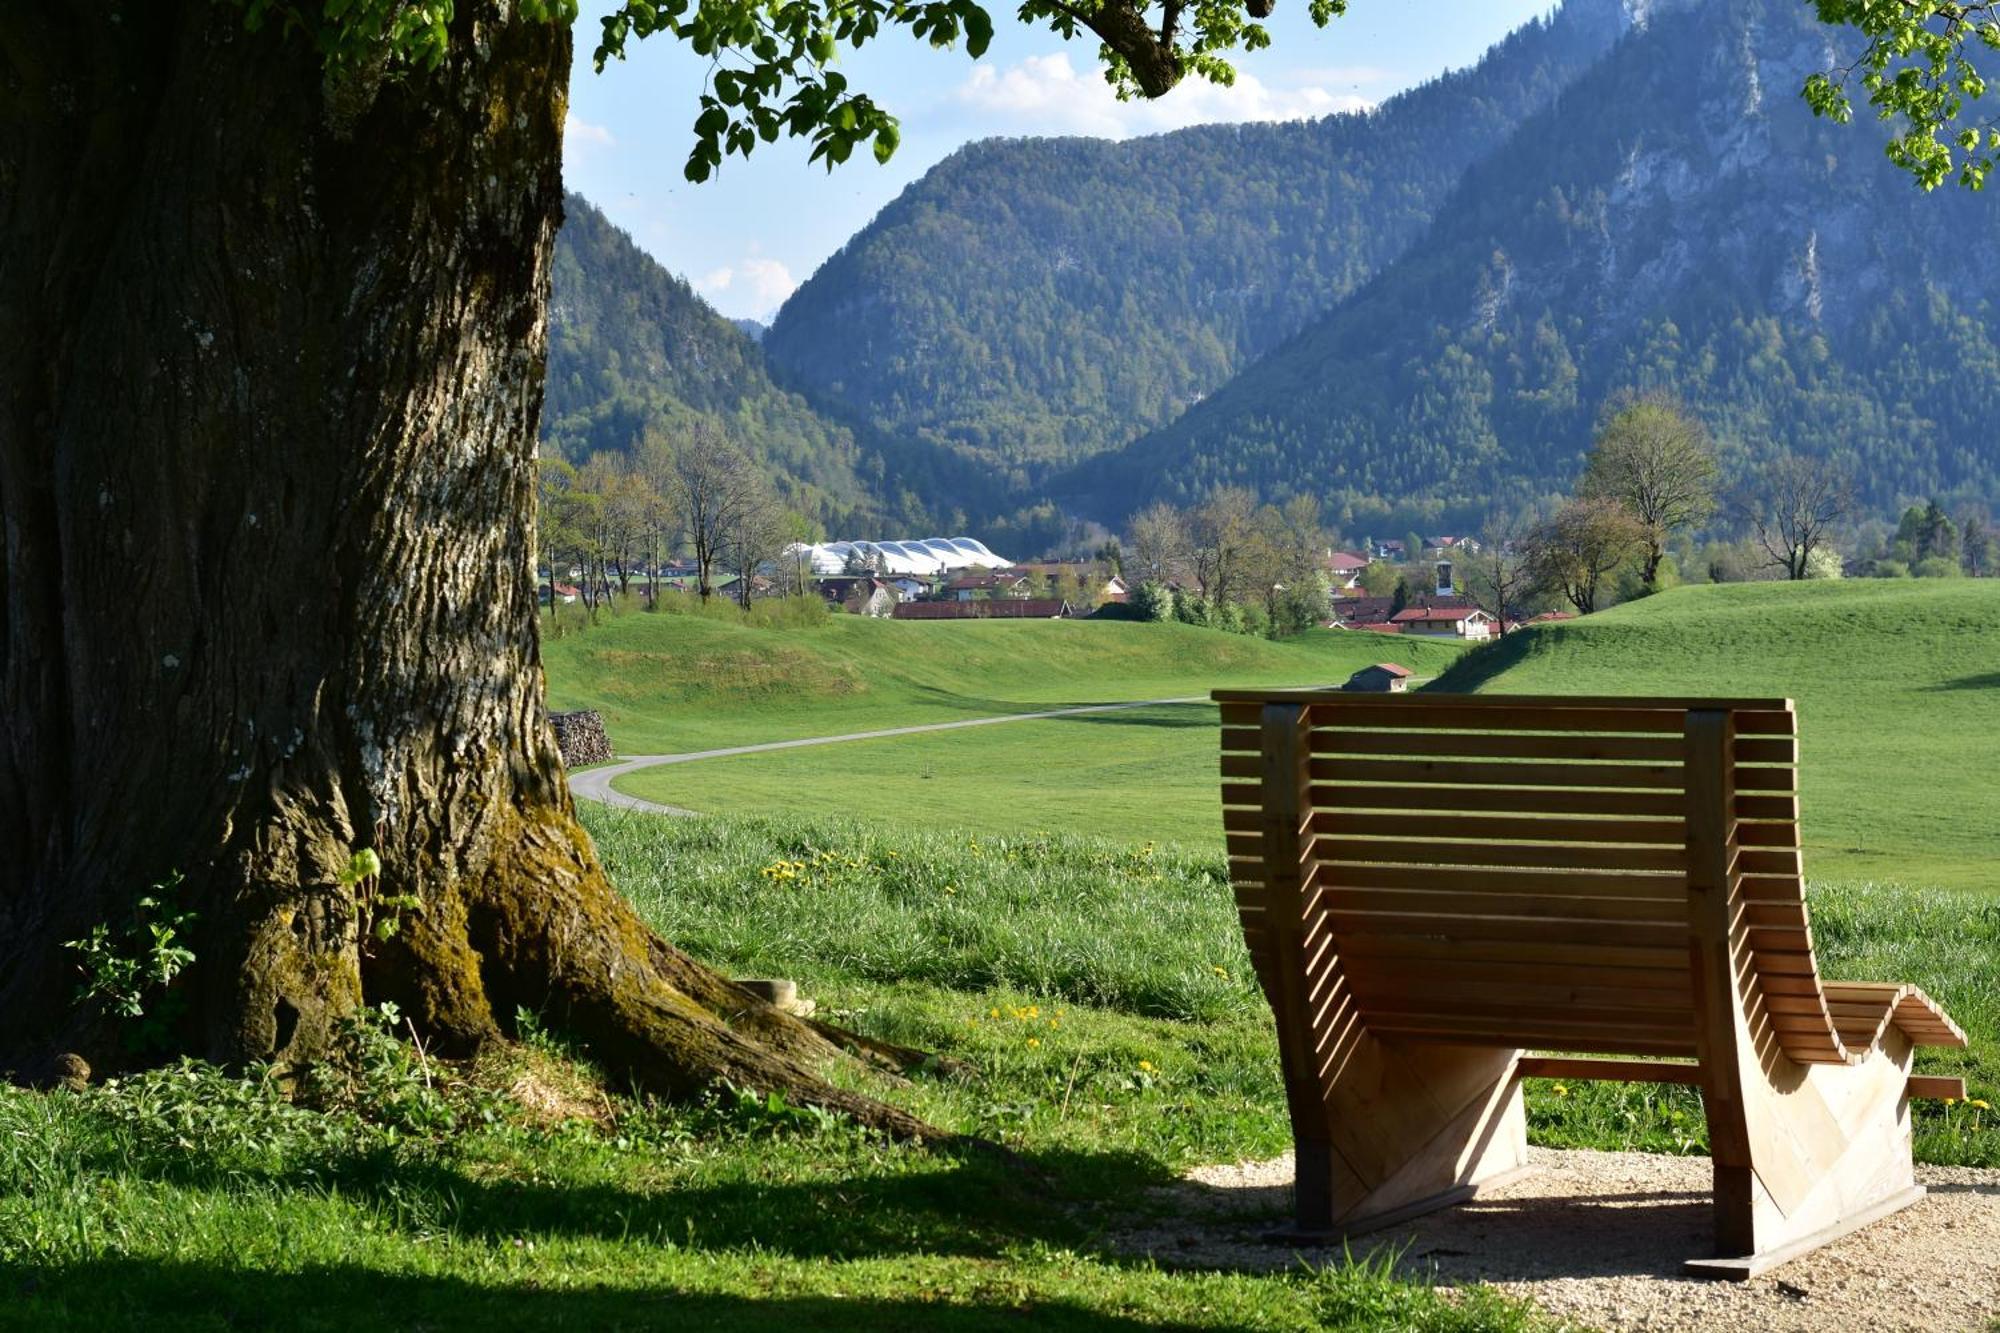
(924, 555)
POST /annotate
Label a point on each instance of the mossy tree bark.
(274, 346)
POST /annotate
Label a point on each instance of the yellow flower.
(1559, 1090)
(993, 1013)
(1145, 1066)
(1974, 1101)
(1951, 1101)
(1034, 1041)
(1222, 972)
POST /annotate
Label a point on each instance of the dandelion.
(1974, 1101)
(1222, 972)
(993, 1013)
(1034, 1041)
(1145, 1066)
(1951, 1101)
(1559, 1090)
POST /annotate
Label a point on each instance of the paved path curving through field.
(594, 784)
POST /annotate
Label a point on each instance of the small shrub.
(128, 971)
(1154, 602)
(799, 611)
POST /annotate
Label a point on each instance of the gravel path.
(1599, 1237)
(594, 784)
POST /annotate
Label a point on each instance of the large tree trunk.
(273, 344)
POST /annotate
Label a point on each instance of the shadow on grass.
(1989, 681)
(1478, 666)
(162, 1294)
(977, 705)
(970, 1205)
(1165, 716)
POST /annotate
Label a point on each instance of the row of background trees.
(1650, 510)
(620, 517)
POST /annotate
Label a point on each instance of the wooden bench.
(1433, 885)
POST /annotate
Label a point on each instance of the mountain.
(1675, 220)
(1030, 302)
(633, 349)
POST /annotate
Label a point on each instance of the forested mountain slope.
(1032, 302)
(1676, 220)
(633, 349)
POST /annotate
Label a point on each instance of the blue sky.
(745, 238)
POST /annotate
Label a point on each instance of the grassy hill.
(1898, 692)
(668, 683)
(1895, 682)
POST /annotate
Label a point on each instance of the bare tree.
(1159, 545)
(1794, 504)
(1658, 462)
(1223, 537)
(620, 517)
(1499, 576)
(753, 534)
(1572, 552)
(715, 492)
(1298, 532)
(798, 533)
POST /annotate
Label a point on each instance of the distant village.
(960, 578)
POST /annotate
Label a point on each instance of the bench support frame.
(1803, 1153)
(1383, 1130)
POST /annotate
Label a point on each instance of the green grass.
(1098, 989)
(1898, 699)
(1154, 936)
(1099, 992)
(1139, 774)
(1898, 692)
(1107, 1056)
(674, 682)
(685, 682)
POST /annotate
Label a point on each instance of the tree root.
(552, 935)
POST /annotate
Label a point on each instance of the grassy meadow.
(689, 680)
(1096, 995)
(1896, 686)
(1042, 902)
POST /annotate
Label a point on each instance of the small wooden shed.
(1382, 678)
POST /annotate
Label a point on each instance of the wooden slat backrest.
(1515, 870)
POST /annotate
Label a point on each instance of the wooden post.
(1287, 883)
(1711, 822)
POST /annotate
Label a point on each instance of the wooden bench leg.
(1402, 1129)
(1805, 1154)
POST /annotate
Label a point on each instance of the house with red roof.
(1446, 620)
(999, 608)
(1344, 569)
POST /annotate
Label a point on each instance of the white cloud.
(1048, 95)
(758, 284)
(583, 134)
